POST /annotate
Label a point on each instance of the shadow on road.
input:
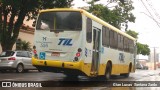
(14, 71)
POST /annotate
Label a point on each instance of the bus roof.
(93, 18)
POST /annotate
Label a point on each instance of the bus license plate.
(55, 54)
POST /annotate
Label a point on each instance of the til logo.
(65, 42)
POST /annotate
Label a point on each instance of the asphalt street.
(58, 81)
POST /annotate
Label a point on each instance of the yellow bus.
(75, 42)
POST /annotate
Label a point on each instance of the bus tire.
(108, 72)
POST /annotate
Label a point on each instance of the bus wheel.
(108, 72)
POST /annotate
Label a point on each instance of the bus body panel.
(65, 44)
(60, 49)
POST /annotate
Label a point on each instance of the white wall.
(24, 36)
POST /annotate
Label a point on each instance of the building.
(26, 33)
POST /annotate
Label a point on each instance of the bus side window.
(104, 37)
(131, 46)
(111, 37)
(107, 37)
(115, 40)
(89, 30)
(120, 42)
(126, 44)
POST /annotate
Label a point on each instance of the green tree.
(120, 14)
(23, 45)
(141, 48)
(13, 12)
(132, 33)
(26, 45)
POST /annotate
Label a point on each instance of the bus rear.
(58, 41)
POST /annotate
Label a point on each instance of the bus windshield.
(60, 21)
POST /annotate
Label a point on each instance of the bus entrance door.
(95, 52)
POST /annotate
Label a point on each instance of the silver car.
(18, 60)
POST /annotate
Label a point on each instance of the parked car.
(17, 60)
(141, 66)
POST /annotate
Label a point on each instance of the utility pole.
(155, 57)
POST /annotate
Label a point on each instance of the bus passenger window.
(120, 42)
(107, 37)
(111, 37)
(104, 41)
(89, 30)
(115, 40)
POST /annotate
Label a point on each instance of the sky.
(149, 31)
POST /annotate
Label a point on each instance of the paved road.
(58, 80)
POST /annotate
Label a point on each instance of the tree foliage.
(23, 45)
(13, 12)
(132, 33)
(119, 15)
(141, 48)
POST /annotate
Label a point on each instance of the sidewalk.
(146, 75)
(148, 72)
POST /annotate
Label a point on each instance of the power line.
(151, 17)
(149, 13)
(154, 10)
